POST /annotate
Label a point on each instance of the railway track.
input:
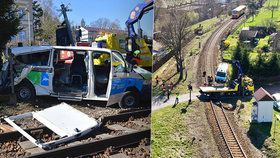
(209, 56)
(228, 141)
(121, 131)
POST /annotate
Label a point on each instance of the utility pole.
(29, 27)
(68, 26)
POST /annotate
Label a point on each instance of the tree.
(269, 23)
(237, 53)
(102, 23)
(105, 23)
(50, 22)
(174, 33)
(37, 14)
(273, 65)
(245, 63)
(259, 68)
(272, 9)
(115, 25)
(9, 23)
(83, 23)
(252, 7)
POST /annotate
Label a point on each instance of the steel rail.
(218, 121)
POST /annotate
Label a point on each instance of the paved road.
(159, 102)
(272, 88)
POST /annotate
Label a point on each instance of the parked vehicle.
(237, 12)
(78, 73)
(222, 73)
(112, 41)
(276, 103)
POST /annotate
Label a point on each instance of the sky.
(91, 10)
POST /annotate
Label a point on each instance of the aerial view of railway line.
(75, 78)
(216, 79)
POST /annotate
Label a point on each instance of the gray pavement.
(159, 102)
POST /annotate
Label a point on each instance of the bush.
(226, 43)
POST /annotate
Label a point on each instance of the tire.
(25, 91)
(129, 100)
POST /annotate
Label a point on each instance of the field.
(169, 130)
(182, 131)
(261, 19)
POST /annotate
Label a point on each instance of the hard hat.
(136, 52)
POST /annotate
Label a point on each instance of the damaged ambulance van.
(78, 73)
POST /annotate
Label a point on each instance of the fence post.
(13, 97)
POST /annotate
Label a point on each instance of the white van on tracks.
(78, 73)
(222, 73)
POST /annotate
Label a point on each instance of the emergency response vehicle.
(78, 73)
(222, 73)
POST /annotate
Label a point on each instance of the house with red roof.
(262, 110)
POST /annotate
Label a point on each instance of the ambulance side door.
(41, 74)
(118, 77)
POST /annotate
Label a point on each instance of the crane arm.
(136, 14)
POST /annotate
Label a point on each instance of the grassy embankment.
(169, 133)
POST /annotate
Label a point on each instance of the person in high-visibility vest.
(101, 59)
(136, 59)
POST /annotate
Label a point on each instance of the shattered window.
(101, 58)
(122, 43)
(35, 59)
(118, 62)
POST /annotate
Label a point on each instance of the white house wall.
(85, 35)
(265, 111)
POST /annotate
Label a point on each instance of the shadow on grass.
(183, 110)
(258, 133)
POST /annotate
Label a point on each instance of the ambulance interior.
(101, 70)
(70, 72)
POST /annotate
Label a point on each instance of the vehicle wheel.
(129, 100)
(25, 91)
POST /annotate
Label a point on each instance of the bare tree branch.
(174, 33)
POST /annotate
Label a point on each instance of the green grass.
(207, 24)
(259, 20)
(228, 54)
(169, 133)
(262, 42)
(264, 14)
